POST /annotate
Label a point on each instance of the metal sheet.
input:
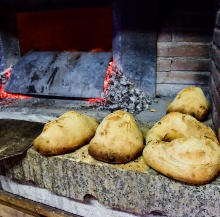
(60, 74)
(16, 136)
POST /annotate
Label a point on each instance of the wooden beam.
(9, 201)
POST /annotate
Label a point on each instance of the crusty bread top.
(118, 139)
(66, 133)
(193, 159)
(177, 125)
(191, 101)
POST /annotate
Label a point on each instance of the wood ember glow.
(3, 79)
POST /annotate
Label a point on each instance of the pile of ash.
(120, 93)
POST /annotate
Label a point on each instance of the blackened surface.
(9, 45)
(36, 5)
(60, 74)
(17, 136)
(134, 41)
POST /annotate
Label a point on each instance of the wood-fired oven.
(59, 53)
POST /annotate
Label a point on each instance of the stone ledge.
(131, 187)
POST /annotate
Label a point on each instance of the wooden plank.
(32, 206)
(9, 210)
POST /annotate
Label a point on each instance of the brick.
(183, 77)
(215, 96)
(191, 64)
(164, 36)
(192, 35)
(215, 75)
(183, 50)
(167, 90)
(216, 120)
(195, 20)
(217, 21)
(216, 37)
(215, 54)
(163, 65)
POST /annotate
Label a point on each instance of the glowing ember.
(109, 72)
(3, 79)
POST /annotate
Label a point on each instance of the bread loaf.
(191, 101)
(194, 159)
(117, 139)
(66, 133)
(181, 147)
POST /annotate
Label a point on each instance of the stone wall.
(185, 30)
(215, 74)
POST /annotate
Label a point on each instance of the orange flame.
(109, 72)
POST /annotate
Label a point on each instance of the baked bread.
(191, 101)
(181, 147)
(117, 139)
(193, 160)
(66, 133)
(177, 125)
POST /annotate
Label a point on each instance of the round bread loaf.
(192, 160)
(66, 133)
(191, 101)
(181, 147)
(117, 140)
(177, 125)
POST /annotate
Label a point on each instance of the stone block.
(133, 187)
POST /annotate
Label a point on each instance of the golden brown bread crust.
(192, 160)
(66, 133)
(183, 148)
(117, 139)
(177, 125)
(191, 101)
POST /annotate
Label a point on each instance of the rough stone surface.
(60, 74)
(132, 187)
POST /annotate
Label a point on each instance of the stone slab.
(60, 74)
(132, 187)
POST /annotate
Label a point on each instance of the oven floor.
(44, 110)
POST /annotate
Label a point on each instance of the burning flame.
(3, 78)
(109, 72)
